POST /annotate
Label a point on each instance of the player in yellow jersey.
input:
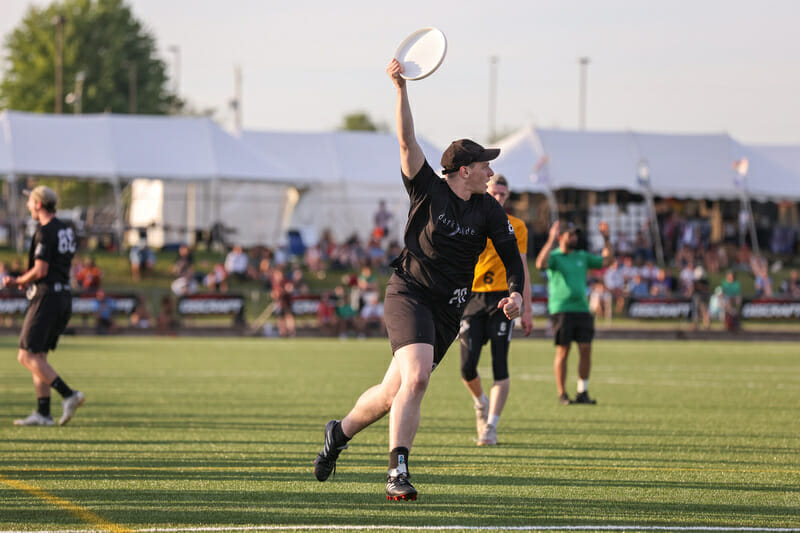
(483, 321)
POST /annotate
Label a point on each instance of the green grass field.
(185, 434)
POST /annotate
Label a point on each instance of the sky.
(678, 66)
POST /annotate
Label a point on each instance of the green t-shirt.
(732, 289)
(566, 278)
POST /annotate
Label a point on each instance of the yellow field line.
(96, 468)
(83, 514)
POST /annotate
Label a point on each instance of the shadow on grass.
(348, 503)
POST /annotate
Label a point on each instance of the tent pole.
(16, 236)
(118, 222)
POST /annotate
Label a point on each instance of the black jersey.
(445, 235)
(54, 243)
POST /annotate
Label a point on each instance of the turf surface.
(190, 433)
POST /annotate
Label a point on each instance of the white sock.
(481, 400)
(583, 385)
(494, 420)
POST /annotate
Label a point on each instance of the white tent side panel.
(173, 210)
(349, 208)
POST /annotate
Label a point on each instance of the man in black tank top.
(50, 308)
(448, 224)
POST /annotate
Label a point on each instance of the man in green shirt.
(567, 303)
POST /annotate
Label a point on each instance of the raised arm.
(552, 241)
(608, 250)
(411, 155)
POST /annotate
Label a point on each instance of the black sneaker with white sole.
(583, 397)
(325, 463)
(398, 487)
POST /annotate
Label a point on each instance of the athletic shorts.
(485, 321)
(412, 316)
(46, 319)
(569, 327)
(482, 322)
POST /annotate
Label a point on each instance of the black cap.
(465, 152)
(568, 227)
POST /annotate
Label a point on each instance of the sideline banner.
(82, 303)
(660, 308)
(211, 304)
(770, 309)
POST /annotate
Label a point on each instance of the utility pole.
(236, 103)
(58, 22)
(176, 73)
(492, 97)
(131, 87)
(584, 63)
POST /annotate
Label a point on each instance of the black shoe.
(398, 487)
(325, 463)
(583, 397)
(564, 399)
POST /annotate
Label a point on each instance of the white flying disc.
(421, 53)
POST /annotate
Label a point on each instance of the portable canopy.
(190, 150)
(684, 166)
(345, 174)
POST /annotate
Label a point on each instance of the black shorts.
(412, 315)
(568, 327)
(482, 322)
(46, 319)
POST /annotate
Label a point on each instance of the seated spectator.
(660, 286)
(372, 314)
(615, 283)
(649, 271)
(183, 262)
(140, 317)
(345, 314)
(790, 288)
(638, 287)
(686, 279)
(104, 313)
(701, 294)
(167, 322)
(89, 277)
(600, 300)
(3, 273)
(382, 218)
(142, 260)
(16, 269)
(763, 282)
(732, 294)
(282, 289)
(314, 262)
(216, 279)
(236, 263)
(185, 284)
(326, 315)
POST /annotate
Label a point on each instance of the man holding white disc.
(449, 222)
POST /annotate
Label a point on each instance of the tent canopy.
(688, 166)
(130, 146)
(340, 156)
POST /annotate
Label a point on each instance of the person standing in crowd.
(47, 282)
(449, 222)
(567, 304)
(483, 322)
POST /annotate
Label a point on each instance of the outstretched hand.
(394, 70)
(511, 305)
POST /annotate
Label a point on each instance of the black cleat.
(325, 463)
(564, 399)
(583, 397)
(398, 487)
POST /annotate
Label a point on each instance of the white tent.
(344, 176)
(685, 166)
(190, 150)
